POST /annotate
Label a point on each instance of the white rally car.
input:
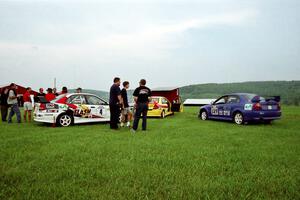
(74, 108)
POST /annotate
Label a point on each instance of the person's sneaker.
(128, 124)
(122, 124)
(132, 131)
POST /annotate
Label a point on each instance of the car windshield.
(153, 100)
(253, 97)
(58, 97)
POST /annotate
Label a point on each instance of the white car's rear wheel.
(64, 120)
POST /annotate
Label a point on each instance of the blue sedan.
(242, 108)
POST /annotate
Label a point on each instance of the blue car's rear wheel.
(238, 118)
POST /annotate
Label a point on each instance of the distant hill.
(288, 90)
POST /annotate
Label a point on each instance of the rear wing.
(274, 98)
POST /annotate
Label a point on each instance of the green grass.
(180, 157)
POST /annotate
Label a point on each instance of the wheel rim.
(203, 116)
(65, 120)
(238, 118)
(163, 114)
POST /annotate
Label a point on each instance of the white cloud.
(148, 42)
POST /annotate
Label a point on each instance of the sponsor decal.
(63, 106)
(214, 110)
(227, 112)
(82, 111)
(248, 106)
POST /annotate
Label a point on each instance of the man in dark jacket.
(12, 101)
(4, 105)
(115, 102)
(142, 96)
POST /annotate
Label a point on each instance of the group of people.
(118, 103)
(9, 100)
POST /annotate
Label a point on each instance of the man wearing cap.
(64, 90)
(79, 90)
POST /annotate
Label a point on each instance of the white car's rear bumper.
(45, 117)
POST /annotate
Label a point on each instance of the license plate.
(270, 107)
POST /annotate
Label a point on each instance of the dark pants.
(14, 109)
(4, 111)
(141, 109)
(114, 116)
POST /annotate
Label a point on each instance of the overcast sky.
(170, 43)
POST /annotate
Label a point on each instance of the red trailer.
(172, 94)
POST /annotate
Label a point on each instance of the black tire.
(163, 114)
(238, 118)
(64, 120)
(203, 115)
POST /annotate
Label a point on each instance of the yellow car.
(159, 107)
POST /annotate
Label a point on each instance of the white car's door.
(99, 108)
(82, 112)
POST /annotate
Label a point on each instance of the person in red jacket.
(27, 104)
(50, 96)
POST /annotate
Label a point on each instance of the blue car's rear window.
(251, 97)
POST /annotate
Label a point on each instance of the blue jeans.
(14, 109)
(141, 109)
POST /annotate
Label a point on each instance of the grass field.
(179, 157)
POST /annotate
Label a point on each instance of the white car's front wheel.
(64, 120)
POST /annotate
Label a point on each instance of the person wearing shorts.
(27, 105)
(126, 116)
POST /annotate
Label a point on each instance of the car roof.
(70, 94)
(239, 94)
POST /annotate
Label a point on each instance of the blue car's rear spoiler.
(273, 98)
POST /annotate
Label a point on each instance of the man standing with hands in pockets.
(142, 96)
